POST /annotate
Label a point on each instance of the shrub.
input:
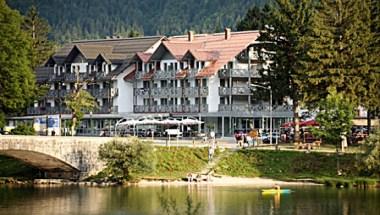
(126, 159)
(23, 129)
(369, 163)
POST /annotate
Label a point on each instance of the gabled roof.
(116, 50)
(144, 57)
(211, 47)
(201, 55)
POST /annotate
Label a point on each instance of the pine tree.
(17, 81)
(374, 50)
(288, 20)
(337, 52)
(38, 29)
(253, 20)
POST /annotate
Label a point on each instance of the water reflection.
(214, 200)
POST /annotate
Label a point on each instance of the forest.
(90, 19)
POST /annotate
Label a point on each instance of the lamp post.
(270, 108)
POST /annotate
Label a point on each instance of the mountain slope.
(74, 19)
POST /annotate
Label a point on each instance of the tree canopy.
(38, 29)
(337, 51)
(17, 80)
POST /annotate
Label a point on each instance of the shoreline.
(229, 181)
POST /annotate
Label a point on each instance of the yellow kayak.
(275, 191)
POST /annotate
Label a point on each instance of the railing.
(196, 92)
(164, 74)
(101, 93)
(63, 110)
(170, 108)
(47, 110)
(57, 93)
(168, 92)
(106, 109)
(225, 91)
(238, 73)
(139, 75)
(259, 109)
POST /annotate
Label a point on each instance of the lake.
(78, 200)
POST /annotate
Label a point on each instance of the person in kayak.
(276, 187)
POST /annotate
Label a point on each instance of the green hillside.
(79, 19)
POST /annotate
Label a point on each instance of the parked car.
(266, 139)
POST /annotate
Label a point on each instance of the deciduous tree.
(17, 80)
(127, 158)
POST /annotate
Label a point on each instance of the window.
(164, 101)
(164, 83)
(78, 68)
(204, 84)
(139, 66)
(145, 84)
(165, 66)
(146, 102)
(202, 64)
(181, 65)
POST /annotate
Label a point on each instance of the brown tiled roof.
(149, 75)
(181, 74)
(211, 47)
(144, 57)
(130, 76)
(113, 49)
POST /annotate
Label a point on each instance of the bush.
(126, 159)
(369, 163)
(23, 129)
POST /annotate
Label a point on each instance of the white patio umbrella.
(170, 121)
(150, 121)
(189, 121)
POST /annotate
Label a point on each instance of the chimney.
(190, 35)
(227, 33)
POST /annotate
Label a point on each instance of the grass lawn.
(178, 162)
(286, 164)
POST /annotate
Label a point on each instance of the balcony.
(139, 75)
(171, 108)
(164, 75)
(195, 92)
(226, 91)
(258, 110)
(238, 73)
(170, 92)
(47, 110)
(106, 109)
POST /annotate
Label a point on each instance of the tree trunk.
(369, 121)
(74, 124)
(296, 110)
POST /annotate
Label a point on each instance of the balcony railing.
(166, 74)
(64, 110)
(238, 73)
(171, 108)
(226, 91)
(47, 110)
(262, 110)
(57, 93)
(169, 92)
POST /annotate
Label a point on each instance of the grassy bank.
(176, 163)
(291, 165)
